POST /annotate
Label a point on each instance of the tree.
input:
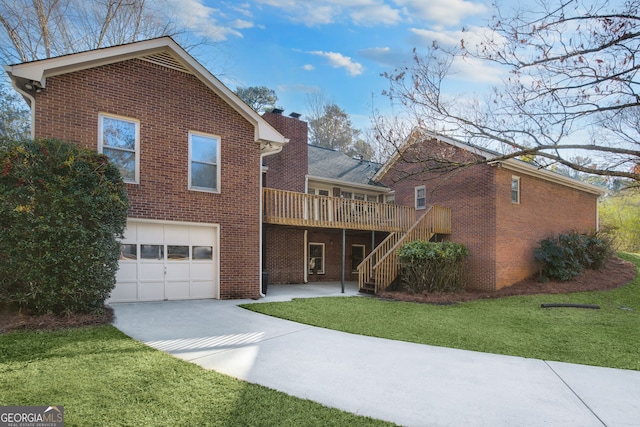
(62, 211)
(260, 98)
(14, 116)
(571, 87)
(330, 127)
(37, 29)
(620, 217)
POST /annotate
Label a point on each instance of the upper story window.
(421, 197)
(119, 139)
(204, 161)
(515, 190)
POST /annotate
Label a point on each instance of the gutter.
(369, 187)
(525, 168)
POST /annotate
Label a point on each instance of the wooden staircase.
(381, 267)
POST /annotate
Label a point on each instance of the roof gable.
(513, 164)
(162, 51)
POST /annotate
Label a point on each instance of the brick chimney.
(287, 169)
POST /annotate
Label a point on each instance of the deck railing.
(437, 220)
(311, 210)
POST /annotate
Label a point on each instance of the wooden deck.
(310, 210)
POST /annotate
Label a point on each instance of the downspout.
(260, 214)
(261, 225)
(306, 257)
(32, 106)
(306, 243)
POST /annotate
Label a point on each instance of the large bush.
(564, 257)
(62, 209)
(432, 266)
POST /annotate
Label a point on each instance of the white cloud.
(323, 12)
(308, 67)
(446, 12)
(385, 56)
(204, 20)
(337, 60)
(466, 68)
(471, 37)
(241, 24)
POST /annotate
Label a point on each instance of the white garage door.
(167, 261)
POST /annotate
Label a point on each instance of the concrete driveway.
(408, 384)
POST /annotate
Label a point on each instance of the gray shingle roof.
(330, 164)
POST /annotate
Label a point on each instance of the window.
(371, 198)
(204, 154)
(346, 194)
(515, 190)
(318, 191)
(152, 252)
(421, 197)
(128, 251)
(119, 140)
(316, 258)
(202, 252)
(177, 253)
(357, 256)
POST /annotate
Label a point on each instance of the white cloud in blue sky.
(337, 60)
(339, 47)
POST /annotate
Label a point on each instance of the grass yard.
(104, 378)
(515, 326)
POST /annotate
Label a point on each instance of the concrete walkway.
(408, 384)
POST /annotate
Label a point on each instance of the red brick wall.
(169, 104)
(546, 209)
(470, 195)
(500, 236)
(288, 169)
(285, 253)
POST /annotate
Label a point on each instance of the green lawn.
(515, 326)
(104, 378)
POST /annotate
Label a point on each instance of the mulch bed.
(12, 319)
(616, 273)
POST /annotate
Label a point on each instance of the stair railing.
(437, 219)
(365, 268)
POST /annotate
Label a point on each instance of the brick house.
(500, 210)
(190, 152)
(220, 194)
(300, 250)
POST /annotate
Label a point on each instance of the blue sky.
(336, 47)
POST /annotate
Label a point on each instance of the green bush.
(432, 266)
(62, 209)
(567, 255)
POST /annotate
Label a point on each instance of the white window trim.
(516, 179)
(324, 259)
(418, 188)
(218, 162)
(136, 122)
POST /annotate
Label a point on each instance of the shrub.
(567, 255)
(432, 267)
(62, 209)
